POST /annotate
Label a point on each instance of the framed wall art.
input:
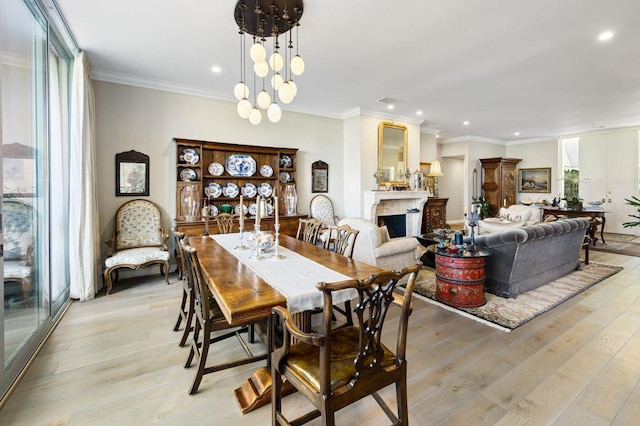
(132, 174)
(319, 177)
(534, 180)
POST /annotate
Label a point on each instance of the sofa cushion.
(489, 227)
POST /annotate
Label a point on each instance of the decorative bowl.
(264, 239)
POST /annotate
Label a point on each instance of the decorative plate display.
(253, 209)
(190, 156)
(216, 169)
(266, 170)
(244, 209)
(230, 190)
(265, 190)
(213, 210)
(269, 209)
(188, 175)
(213, 190)
(285, 161)
(241, 165)
(249, 190)
(284, 177)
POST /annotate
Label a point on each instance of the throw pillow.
(485, 228)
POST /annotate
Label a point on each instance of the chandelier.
(268, 20)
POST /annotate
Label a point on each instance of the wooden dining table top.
(242, 295)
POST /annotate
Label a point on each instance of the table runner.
(295, 276)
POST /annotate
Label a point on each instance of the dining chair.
(225, 222)
(333, 369)
(309, 230)
(208, 319)
(343, 241)
(187, 308)
(138, 241)
(321, 208)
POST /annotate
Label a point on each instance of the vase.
(189, 203)
(290, 197)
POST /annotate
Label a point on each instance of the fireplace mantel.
(379, 203)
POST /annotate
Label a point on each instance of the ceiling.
(533, 67)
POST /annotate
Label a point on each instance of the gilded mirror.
(392, 152)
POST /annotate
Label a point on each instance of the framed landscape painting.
(534, 180)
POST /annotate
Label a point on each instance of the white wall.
(147, 120)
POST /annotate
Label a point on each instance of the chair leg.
(194, 344)
(183, 312)
(347, 312)
(276, 395)
(107, 279)
(165, 268)
(188, 325)
(401, 398)
(204, 351)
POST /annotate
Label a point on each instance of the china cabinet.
(220, 173)
(499, 182)
(434, 215)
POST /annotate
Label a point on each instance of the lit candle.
(275, 207)
(258, 211)
(241, 212)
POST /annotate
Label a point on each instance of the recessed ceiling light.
(216, 69)
(466, 123)
(437, 136)
(390, 106)
(419, 112)
(517, 133)
(605, 35)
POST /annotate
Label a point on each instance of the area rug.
(508, 314)
(617, 247)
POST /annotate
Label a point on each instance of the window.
(571, 168)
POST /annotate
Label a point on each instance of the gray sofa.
(527, 257)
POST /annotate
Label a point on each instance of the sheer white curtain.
(84, 236)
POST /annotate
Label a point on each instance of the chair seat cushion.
(304, 360)
(16, 269)
(137, 256)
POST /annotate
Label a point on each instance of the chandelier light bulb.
(294, 88)
(244, 108)
(241, 90)
(263, 99)
(297, 65)
(286, 93)
(261, 69)
(274, 113)
(257, 53)
(276, 62)
(276, 81)
(255, 117)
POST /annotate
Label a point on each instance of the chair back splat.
(335, 368)
(309, 230)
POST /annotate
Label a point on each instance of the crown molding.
(532, 140)
(356, 111)
(428, 131)
(471, 138)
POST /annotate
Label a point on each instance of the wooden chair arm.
(315, 339)
(165, 238)
(110, 242)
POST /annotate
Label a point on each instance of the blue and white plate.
(216, 169)
(230, 190)
(245, 209)
(213, 190)
(266, 170)
(213, 210)
(284, 177)
(241, 165)
(190, 156)
(253, 209)
(265, 190)
(188, 175)
(285, 161)
(249, 190)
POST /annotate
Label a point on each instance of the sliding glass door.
(34, 91)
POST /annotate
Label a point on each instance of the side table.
(460, 276)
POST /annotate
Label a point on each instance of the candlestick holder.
(241, 246)
(473, 219)
(256, 232)
(276, 254)
(206, 224)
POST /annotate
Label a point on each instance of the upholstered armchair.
(373, 245)
(138, 241)
(17, 222)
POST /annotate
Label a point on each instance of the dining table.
(246, 289)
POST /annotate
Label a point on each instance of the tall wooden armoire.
(499, 181)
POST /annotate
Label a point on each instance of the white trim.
(472, 138)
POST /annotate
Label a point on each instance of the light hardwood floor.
(115, 360)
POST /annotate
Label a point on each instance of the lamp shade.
(434, 169)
